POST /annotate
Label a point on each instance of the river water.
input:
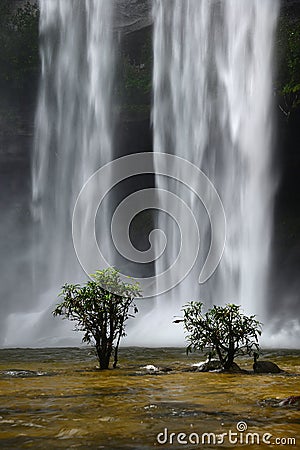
(56, 398)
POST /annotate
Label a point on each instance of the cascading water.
(213, 106)
(73, 138)
(245, 72)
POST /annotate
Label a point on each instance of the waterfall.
(212, 105)
(73, 120)
(73, 138)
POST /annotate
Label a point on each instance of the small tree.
(100, 307)
(224, 331)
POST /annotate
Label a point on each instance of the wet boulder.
(266, 367)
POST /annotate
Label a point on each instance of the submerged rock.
(214, 365)
(151, 369)
(208, 366)
(290, 401)
(21, 373)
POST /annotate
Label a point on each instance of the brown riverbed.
(64, 402)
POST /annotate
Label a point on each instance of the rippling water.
(56, 398)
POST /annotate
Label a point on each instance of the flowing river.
(56, 398)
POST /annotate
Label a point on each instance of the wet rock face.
(133, 15)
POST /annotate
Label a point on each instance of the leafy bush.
(223, 331)
(100, 309)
